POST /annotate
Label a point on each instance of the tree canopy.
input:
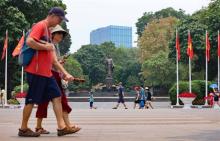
(16, 16)
(150, 16)
(204, 19)
(156, 37)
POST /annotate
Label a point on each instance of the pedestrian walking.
(91, 100)
(120, 96)
(142, 97)
(148, 98)
(42, 85)
(58, 34)
(215, 94)
(137, 97)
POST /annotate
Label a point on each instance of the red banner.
(207, 47)
(5, 46)
(18, 47)
(190, 49)
(177, 46)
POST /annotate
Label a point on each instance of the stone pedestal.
(109, 82)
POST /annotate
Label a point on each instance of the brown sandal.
(42, 131)
(65, 131)
(27, 133)
(76, 128)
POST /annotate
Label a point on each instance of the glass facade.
(119, 35)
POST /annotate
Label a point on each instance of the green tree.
(205, 19)
(156, 37)
(133, 81)
(92, 60)
(74, 68)
(197, 31)
(66, 43)
(127, 66)
(36, 10)
(150, 16)
(159, 71)
(143, 21)
(13, 20)
(108, 48)
(18, 15)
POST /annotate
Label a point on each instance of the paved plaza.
(106, 124)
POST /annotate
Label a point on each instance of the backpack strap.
(47, 34)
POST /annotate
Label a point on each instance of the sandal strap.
(42, 130)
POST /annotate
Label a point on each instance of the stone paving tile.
(123, 125)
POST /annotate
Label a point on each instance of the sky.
(87, 15)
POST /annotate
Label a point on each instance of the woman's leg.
(41, 113)
(134, 105)
(150, 104)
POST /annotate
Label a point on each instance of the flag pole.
(22, 76)
(6, 71)
(206, 72)
(218, 60)
(190, 77)
(177, 75)
(22, 79)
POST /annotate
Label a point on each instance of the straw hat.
(58, 28)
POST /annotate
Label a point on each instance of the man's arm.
(39, 46)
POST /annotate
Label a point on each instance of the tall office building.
(119, 35)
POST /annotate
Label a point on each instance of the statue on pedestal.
(109, 69)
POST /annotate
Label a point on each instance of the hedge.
(17, 89)
(198, 88)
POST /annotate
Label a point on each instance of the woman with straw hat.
(58, 34)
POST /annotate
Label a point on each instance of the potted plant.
(21, 98)
(187, 98)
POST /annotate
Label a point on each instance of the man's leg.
(26, 115)
(116, 106)
(57, 107)
(62, 129)
(66, 119)
(24, 131)
(125, 106)
(66, 110)
(74, 128)
(90, 105)
(123, 102)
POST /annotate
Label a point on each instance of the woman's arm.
(59, 67)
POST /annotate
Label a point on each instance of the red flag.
(177, 46)
(5, 45)
(207, 47)
(18, 47)
(218, 44)
(190, 49)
